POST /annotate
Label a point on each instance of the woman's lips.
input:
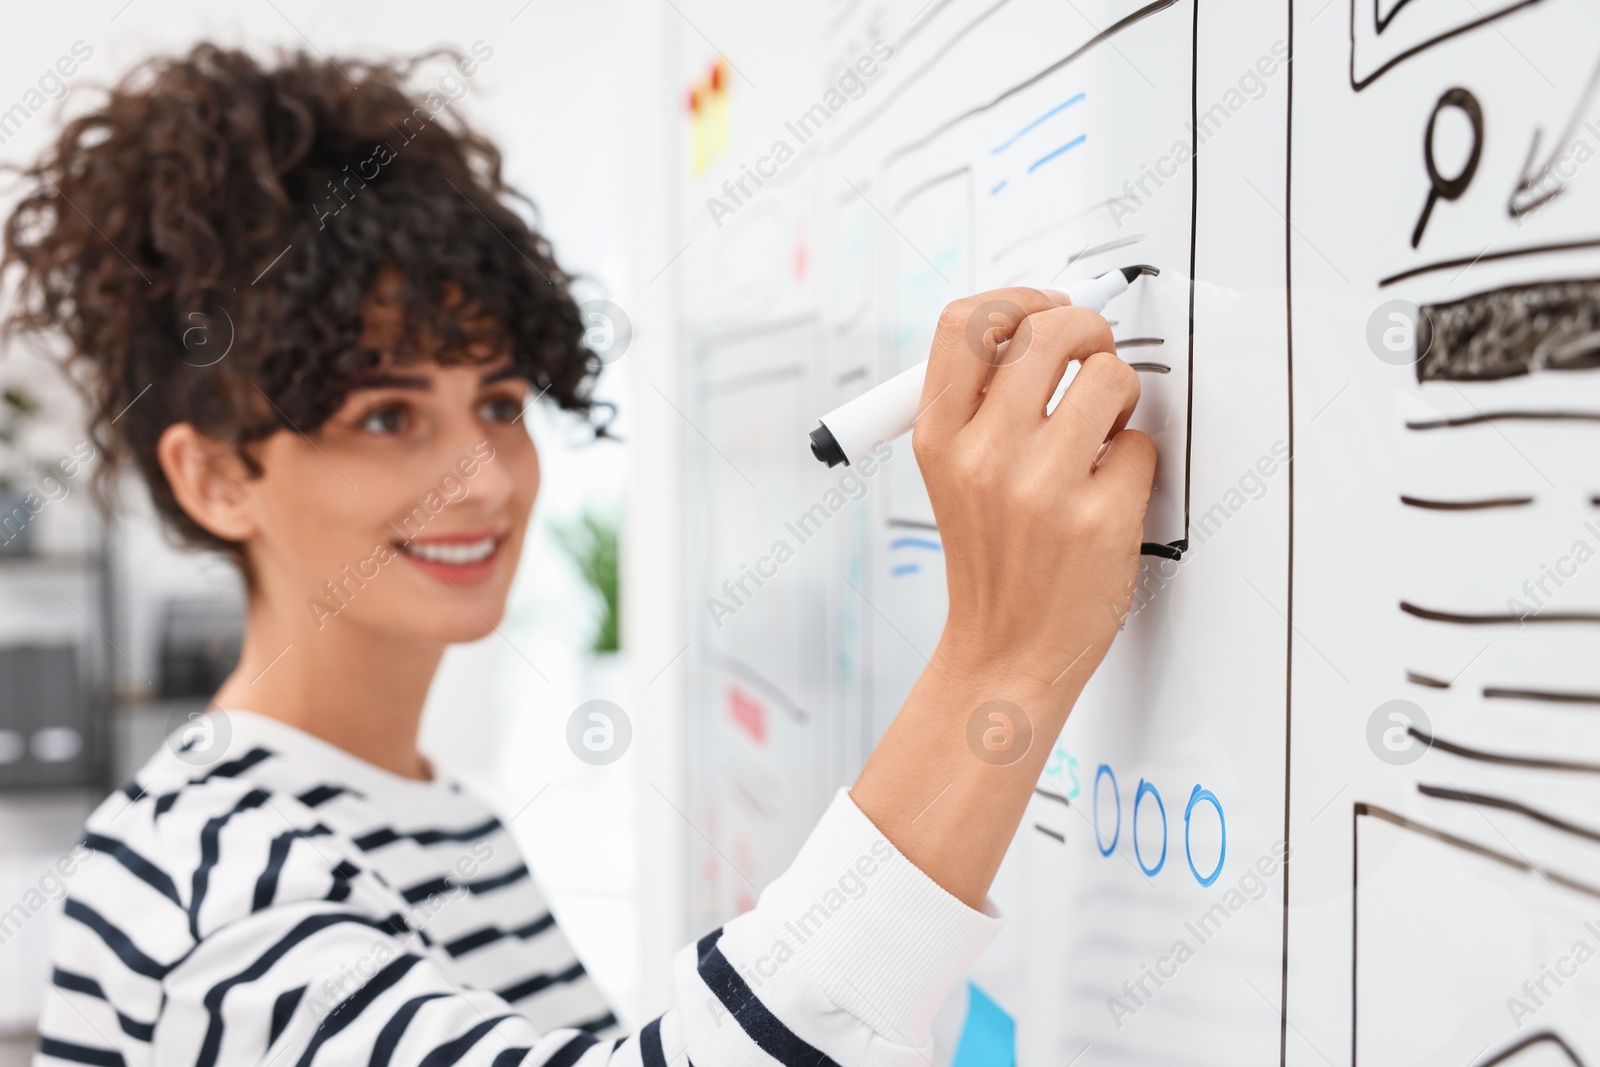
(463, 559)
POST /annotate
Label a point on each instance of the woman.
(291, 881)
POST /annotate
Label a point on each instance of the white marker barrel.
(882, 413)
(886, 411)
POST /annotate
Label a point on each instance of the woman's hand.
(1041, 518)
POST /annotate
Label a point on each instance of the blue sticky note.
(988, 1037)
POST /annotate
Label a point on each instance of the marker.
(887, 410)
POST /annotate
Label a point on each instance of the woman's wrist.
(950, 779)
(1035, 675)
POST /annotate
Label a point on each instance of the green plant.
(18, 407)
(592, 544)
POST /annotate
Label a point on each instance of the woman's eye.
(385, 420)
(502, 408)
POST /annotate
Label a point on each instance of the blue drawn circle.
(1194, 798)
(1106, 850)
(1146, 787)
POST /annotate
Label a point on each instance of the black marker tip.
(825, 448)
(1133, 273)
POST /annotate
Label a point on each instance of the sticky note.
(988, 1037)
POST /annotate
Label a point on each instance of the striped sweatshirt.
(287, 903)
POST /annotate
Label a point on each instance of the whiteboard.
(1331, 798)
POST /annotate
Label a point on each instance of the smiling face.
(405, 512)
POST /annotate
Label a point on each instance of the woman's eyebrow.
(391, 380)
(510, 370)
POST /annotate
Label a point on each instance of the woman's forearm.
(1041, 518)
(950, 779)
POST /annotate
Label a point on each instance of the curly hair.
(209, 188)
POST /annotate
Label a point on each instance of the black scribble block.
(1507, 332)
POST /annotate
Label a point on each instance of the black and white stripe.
(298, 907)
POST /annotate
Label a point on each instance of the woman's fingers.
(1036, 359)
(998, 357)
(963, 357)
(1095, 407)
(1129, 465)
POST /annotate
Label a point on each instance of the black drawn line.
(1357, 810)
(1440, 187)
(1511, 331)
(922, 187)
(1359, 84)
(1141, 342)
(1548, 696)
(1465, 505)
(1444, 838)
(850, 375)
(913, 524)
(1151, 368)
(1500, 759)
(1188, 463)
(743, 671)
(1538, 188)
(1360, 809)
(1422, 679)
(1109, 246)
(1060, 837)
(756, 799)
(1104, 35)
(930, 9)
(917, 75)
(1380, 21)
(1489, 257)
(1104, 205)
(1497, 618)
(1155, 548)
(1503, 416)
(844, 326)
(1051, 794)
(1188, 406)
(1542, 1037)
(1485, 800)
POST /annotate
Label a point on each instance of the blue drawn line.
(999, 187)
(1205, 796)
(915, 542)
(1012, 139)
(905, 568)
(1146, 787)
(1105, 849)
(1074, 143)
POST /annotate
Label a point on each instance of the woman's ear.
(209, 480)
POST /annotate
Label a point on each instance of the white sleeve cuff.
(878, 936)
